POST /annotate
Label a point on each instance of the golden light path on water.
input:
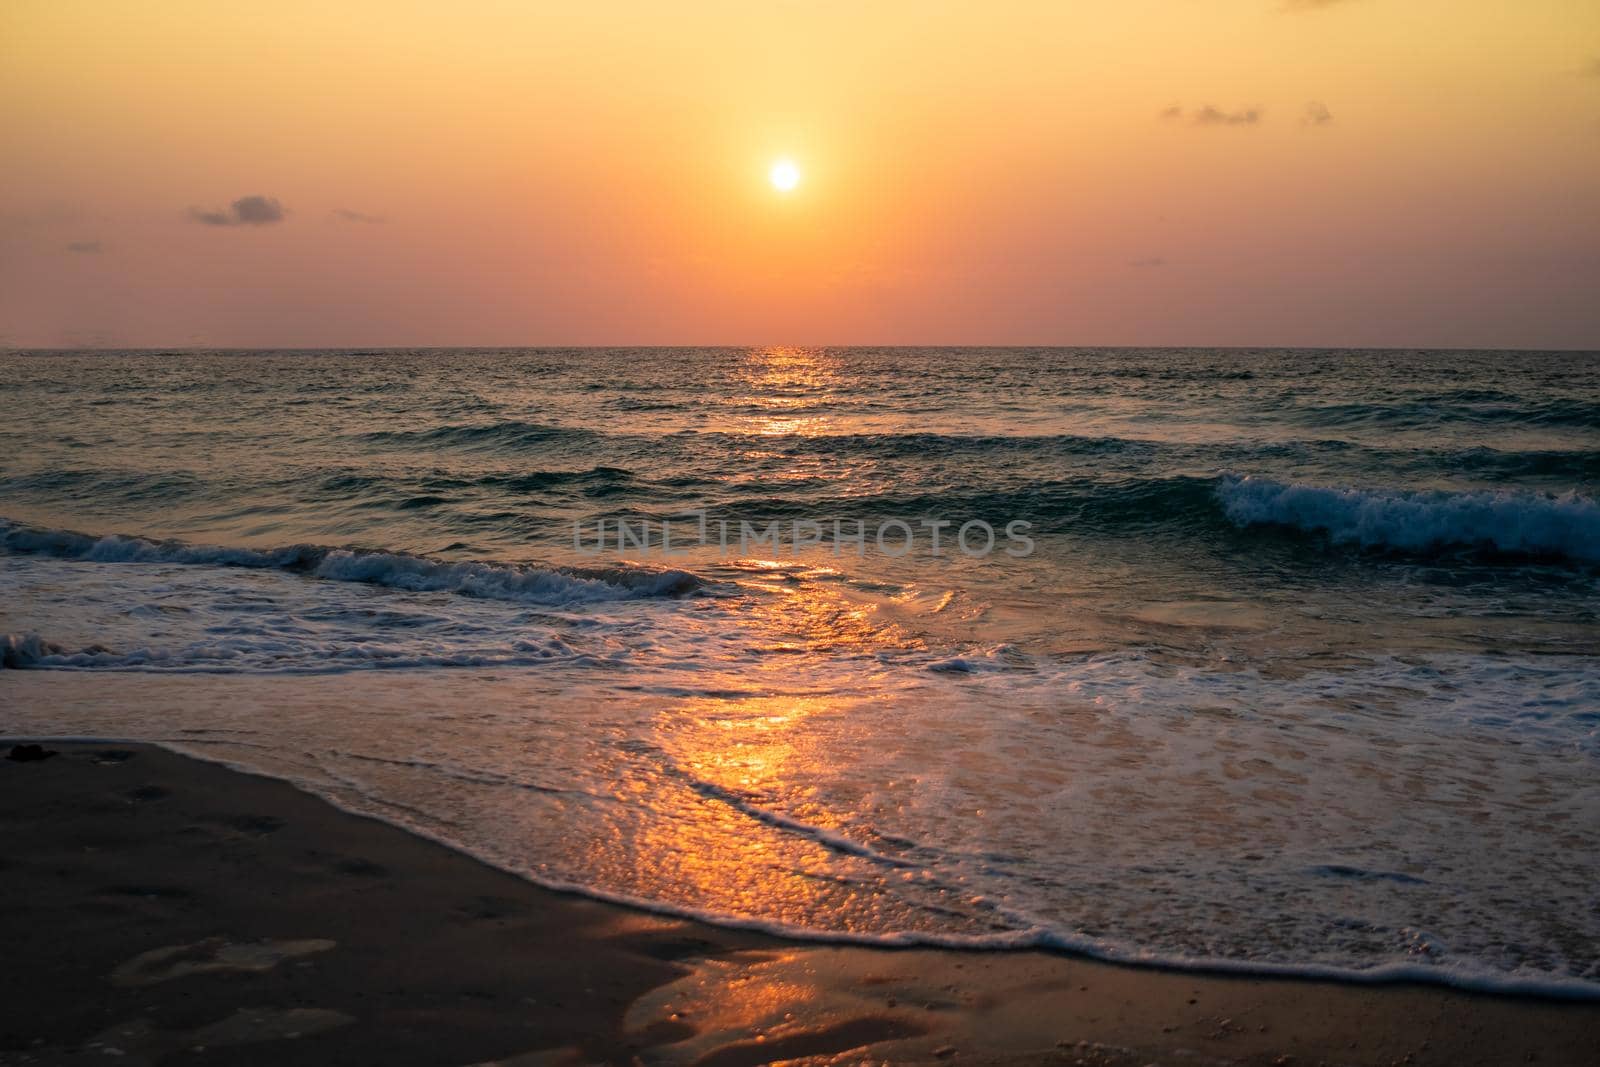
(755, 749)
(789, 386)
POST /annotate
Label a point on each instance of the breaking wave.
(521, 583)
(1503, 521)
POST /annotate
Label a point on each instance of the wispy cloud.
(1210, 115)
(85, 247)
(1147, 263)
(245, 211)
(1316, 114)
(1215, 116)
(357, 216)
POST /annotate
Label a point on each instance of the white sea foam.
(352, 612)
(1516, 522)
(259, 653)
(26, 650)
(498, 581)
(520, 583)
(1002, 657)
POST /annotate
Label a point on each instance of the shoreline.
(163, 903)
(1555, 990)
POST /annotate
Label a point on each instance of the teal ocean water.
(1268, 660)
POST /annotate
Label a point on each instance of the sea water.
(1296, 674)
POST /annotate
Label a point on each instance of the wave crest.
(523, 583)
(1506, 522)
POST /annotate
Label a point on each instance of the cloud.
(1591, 69)
(1212, 116)
(86, 247)
(245, 211)
(1147, 263)
(1317, 114)
(357, 216)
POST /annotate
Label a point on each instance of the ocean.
(1261, 660)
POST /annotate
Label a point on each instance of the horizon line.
(114, 349)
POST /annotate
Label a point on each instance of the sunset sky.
(1147, 172)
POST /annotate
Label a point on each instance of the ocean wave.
(27, 650)
(516, 434)
(263, 653)
(926, 444)
(1416, 412)
(513, 432)
(502, 581)
(1100, 502)
(86, 484)
(1003, 657)
(521, 583)
(1086, 479)
(1502, 522)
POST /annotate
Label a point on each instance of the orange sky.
(1139, 172)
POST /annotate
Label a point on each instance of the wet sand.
(159, 909)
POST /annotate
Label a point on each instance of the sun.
(784, 175)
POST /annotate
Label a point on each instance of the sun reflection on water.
(739, 764)
(792, 389)
(740, 773)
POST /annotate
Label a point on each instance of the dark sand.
(158, 909)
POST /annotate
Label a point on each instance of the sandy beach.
(159, 909)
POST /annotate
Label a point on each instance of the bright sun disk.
(784, 175)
